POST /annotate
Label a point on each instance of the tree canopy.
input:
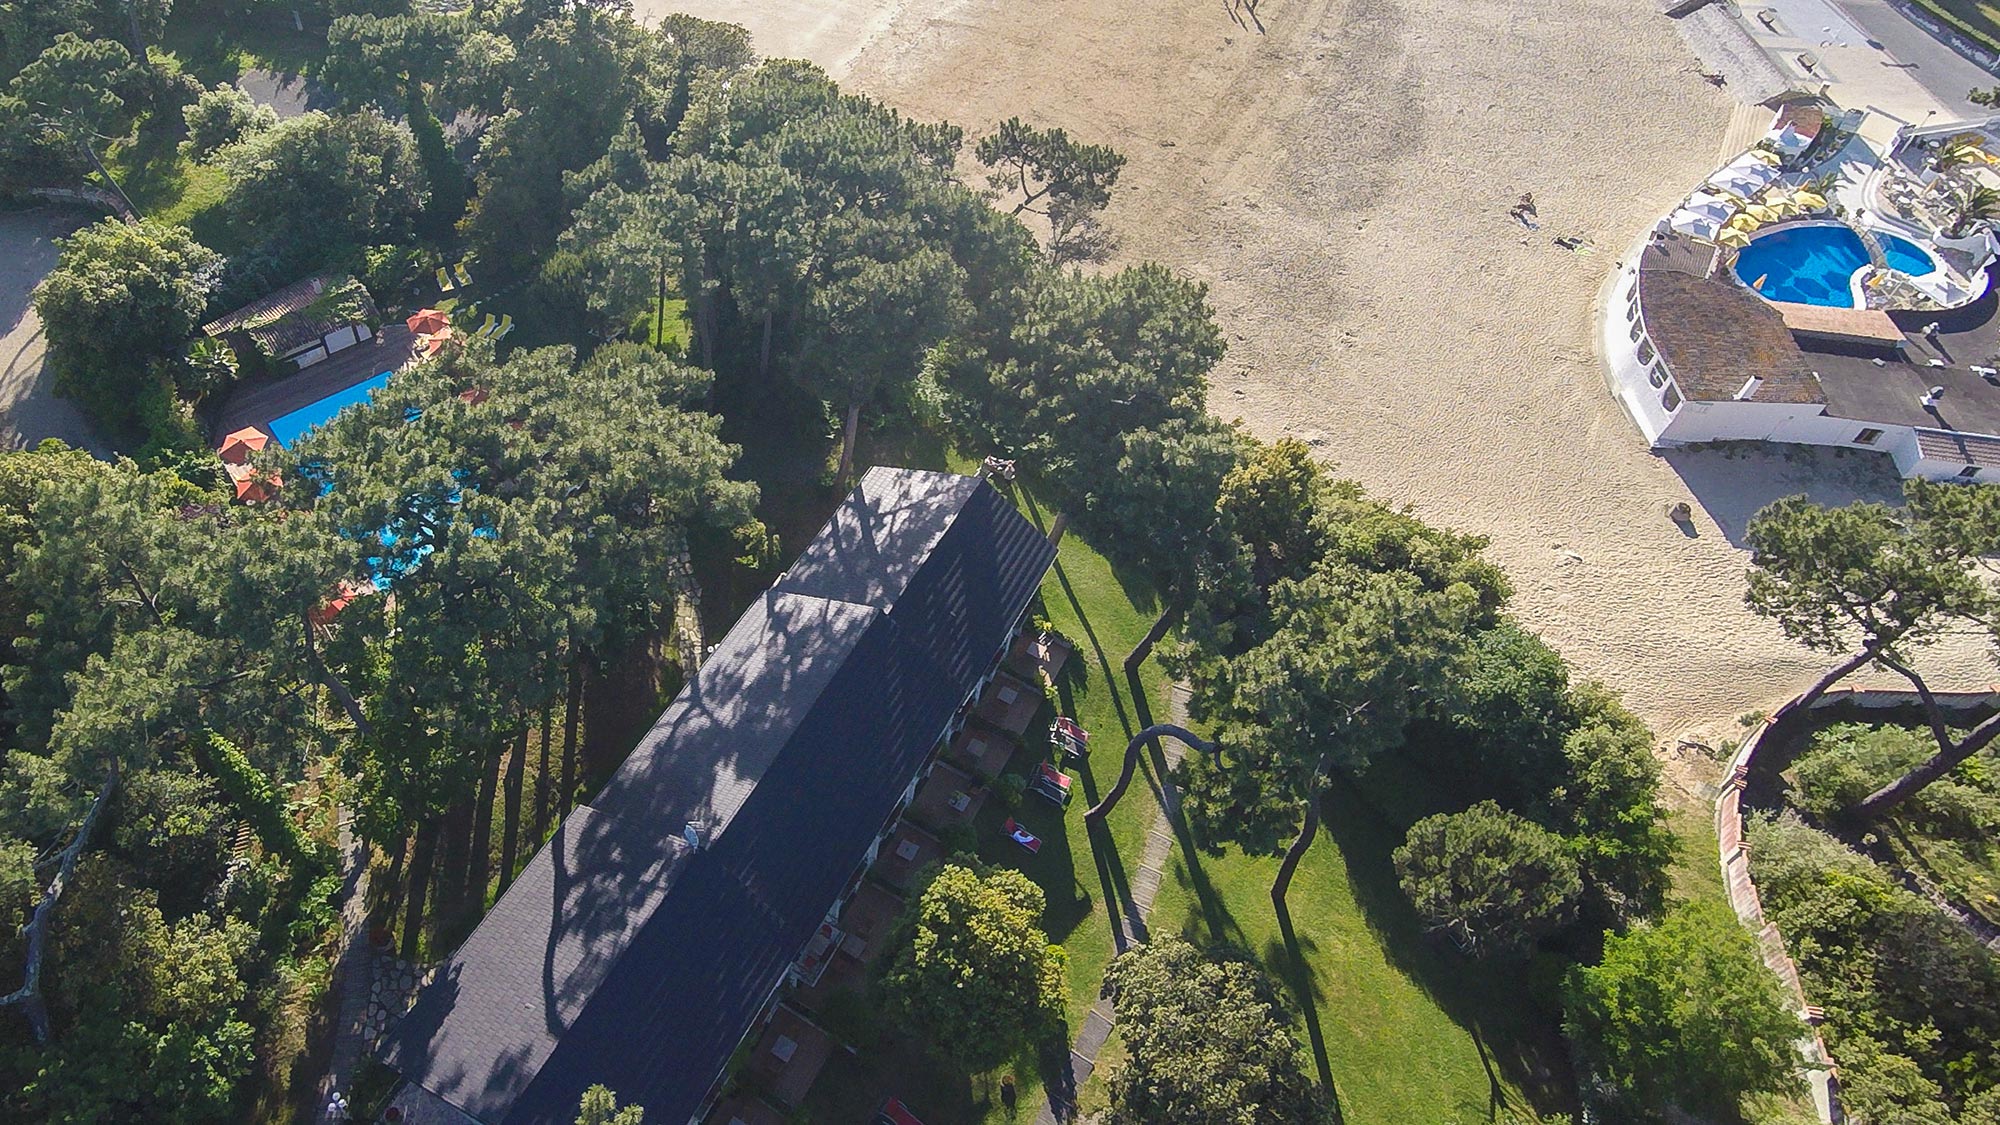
(1206, 1043)
(1878, 584)
(1682, 1014)
(973, 971)
(122, 298)
(1492, 880)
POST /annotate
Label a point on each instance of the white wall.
(1630, 377)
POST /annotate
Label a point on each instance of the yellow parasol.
(1730, 236)
(1807, 198)
(1766, 156)
(1762, 212)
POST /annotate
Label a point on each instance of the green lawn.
(1404, 1027)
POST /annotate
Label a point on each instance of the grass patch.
(1399, 1025)
(677, 333)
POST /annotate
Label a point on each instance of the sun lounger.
(458, 271)
(486, 327)
(444, 281)
(506, 325)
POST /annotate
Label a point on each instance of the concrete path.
(354, 972)
(1128, 927)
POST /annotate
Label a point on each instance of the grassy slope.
(1403, 1028)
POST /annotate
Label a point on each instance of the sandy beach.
(1341, 180)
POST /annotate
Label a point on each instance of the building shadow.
(1733, 481)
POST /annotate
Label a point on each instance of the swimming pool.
(293, 426)
(1815, 264)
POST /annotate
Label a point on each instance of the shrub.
(222, 116)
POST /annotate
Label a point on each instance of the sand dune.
(1341, 179)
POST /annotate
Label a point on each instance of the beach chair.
(486, 326)
(444, 281)
(458, 271)
(505, 326)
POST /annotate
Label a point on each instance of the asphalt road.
(1943, 71)
(29, 408)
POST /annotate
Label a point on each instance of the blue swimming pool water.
(1815, 265)
(293, 426)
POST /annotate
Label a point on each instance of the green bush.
(223, 116)
(1891, 972)
(1848, 761)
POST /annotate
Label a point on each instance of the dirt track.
(1341, 180)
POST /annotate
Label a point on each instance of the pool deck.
(256, 404)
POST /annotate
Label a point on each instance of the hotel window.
(1658, 375)
(1638, 330)
(1671, 399)
(1646, 352)
(1868, 436)
(1968, 472)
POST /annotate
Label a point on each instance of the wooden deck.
(257, 403)
(1867, 325)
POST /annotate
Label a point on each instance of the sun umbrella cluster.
(252, 486)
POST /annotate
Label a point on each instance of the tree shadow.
(1299, 976)
(1509, 1009)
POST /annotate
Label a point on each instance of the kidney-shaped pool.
(1816, 264)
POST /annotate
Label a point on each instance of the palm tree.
(1963, 149)
(1971, 206)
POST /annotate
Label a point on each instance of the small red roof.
(428, 321)
(240, 444)
(252, 486)
(474, 395)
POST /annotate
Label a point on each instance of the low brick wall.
(1787, 723)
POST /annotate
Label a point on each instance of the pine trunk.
(572, 709)
(1297, 851)
(1057, 528)
(481, 865)
(453, 852)
(422, 859)
(542, 770)
(1144, 648)
(1103, 808)
(1949, 756)
(847, 435)
(510, 825)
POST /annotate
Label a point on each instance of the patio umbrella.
(1809, 199)
(252, 486)
(1762, 212)
(1732, 237)
(435, 342)
(1790, 141)
(1694, 223)
(427, 321)
(240, 444)
(1764, 156)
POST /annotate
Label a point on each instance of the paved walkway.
(354, 973)
(1128, 928)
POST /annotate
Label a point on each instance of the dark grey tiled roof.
(622, 957)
